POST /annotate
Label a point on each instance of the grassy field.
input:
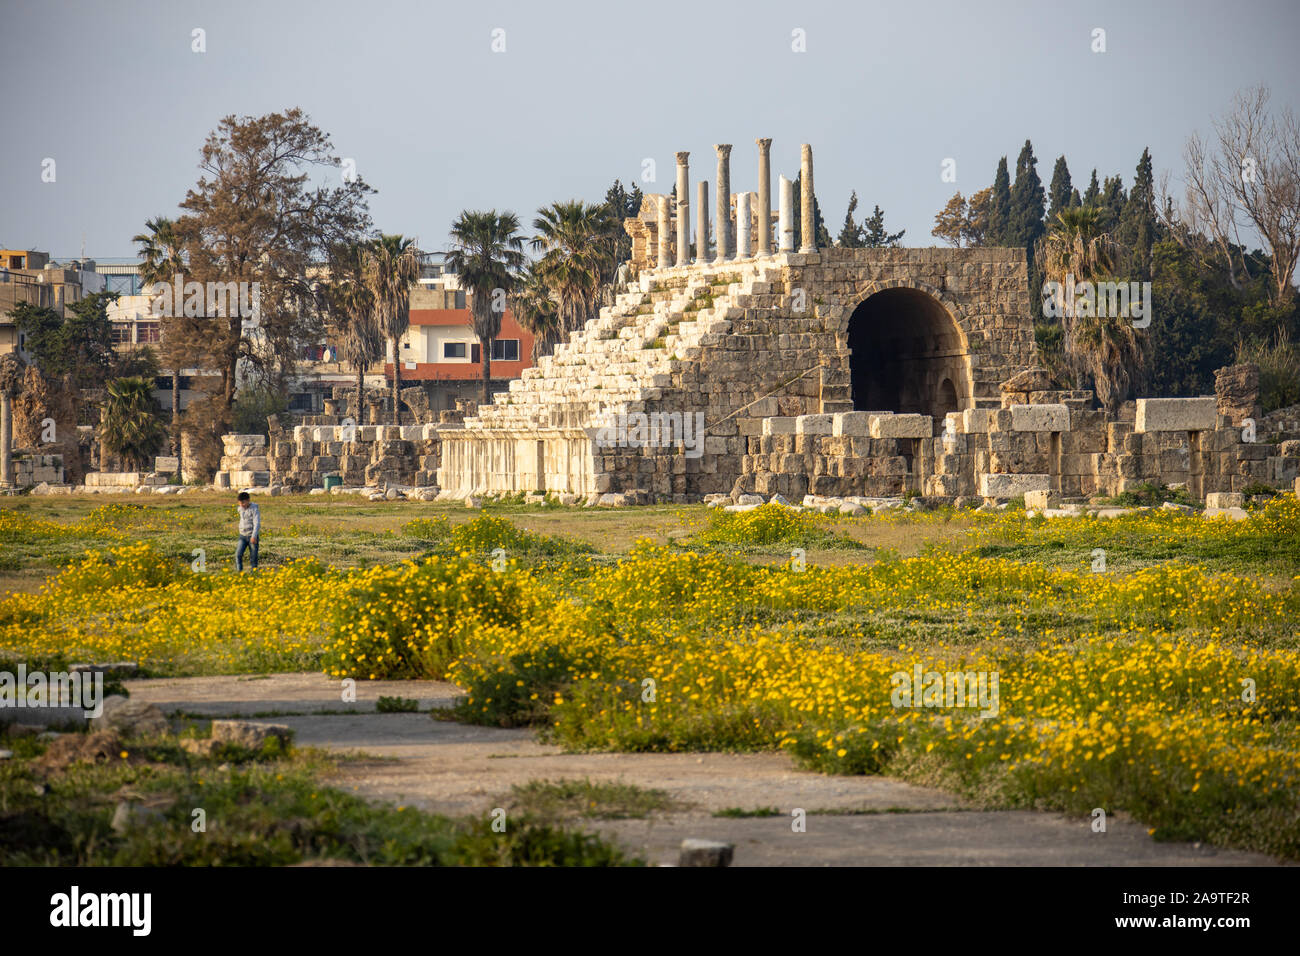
(1146, 663)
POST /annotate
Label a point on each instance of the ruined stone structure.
(747, 336)
(869, 372)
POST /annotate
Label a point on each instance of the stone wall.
(375, 455)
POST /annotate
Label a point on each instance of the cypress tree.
(851, 233)
(1060, 191)
(1137, 227)
(1112, 203)
(1093, 195)
(999, 207)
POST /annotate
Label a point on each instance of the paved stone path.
(446, 767)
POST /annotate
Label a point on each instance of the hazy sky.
(585, 91)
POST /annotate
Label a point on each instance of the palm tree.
(350, 305)
(1105, 348)
(393, 265)
(578, 256)
(130, 427)
(161, 257)
(535, 307)
(487, 251)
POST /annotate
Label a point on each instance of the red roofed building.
(441, 352)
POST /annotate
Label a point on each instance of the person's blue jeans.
(245, 543)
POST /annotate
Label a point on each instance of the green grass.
(559, 799)
(256, 812)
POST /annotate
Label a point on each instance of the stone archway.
(907, 354)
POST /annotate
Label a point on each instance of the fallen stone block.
(1224, 499)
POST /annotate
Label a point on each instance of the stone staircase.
(635, 351)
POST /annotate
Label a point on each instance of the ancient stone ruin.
(833, 371)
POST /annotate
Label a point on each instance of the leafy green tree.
(79, 344)
(131, 427)
(487, 252)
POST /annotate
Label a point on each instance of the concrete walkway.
(451, 768)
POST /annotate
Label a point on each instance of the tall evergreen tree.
(1075, 201)
(1060, 192)
(999, 207)
(851, 233)
(1137, 229)
(1028, 200)
(1092, 196)
(1111, 203)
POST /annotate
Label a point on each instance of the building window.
(121, 334)
(453, 350)
(475, 353)
(150, 332)
(505, 350)
(301, 402)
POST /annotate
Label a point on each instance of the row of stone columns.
(737, 245)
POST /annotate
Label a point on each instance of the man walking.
(250, 528)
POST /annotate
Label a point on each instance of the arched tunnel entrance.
(907, 355)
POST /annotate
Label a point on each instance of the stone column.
(764, 196)
(742, 225)
(665, 247)
(807, 202)
(683, 209)
(702, 221)
(6, 441)
(723, 229)
(786, 211)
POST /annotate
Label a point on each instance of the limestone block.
(778, 426)
(855, 424)
(902, 426)
(1040, 500)
(1225, 499)
(1175, 414)
(1040, 418)
(166, 465)
(1013, 486)
(813, 425)
(975, 421)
